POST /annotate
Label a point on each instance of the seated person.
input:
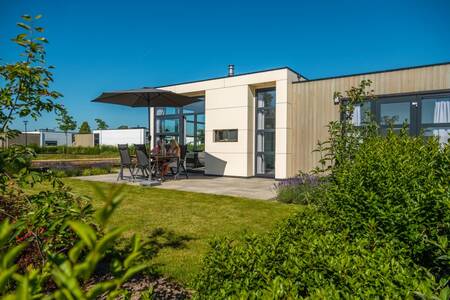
(159, 148)
(174, 150)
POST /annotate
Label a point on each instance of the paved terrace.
(254, 188)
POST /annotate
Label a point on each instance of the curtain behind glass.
(356, 118)
(442, 115)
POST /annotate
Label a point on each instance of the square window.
(225, 135)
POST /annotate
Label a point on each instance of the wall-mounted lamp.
(337, 100)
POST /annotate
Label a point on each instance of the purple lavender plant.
(301, 179)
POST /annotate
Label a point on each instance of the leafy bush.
(51, 244)
(381, 229)
(96, 171)
(40, 218)
(379, 226)
(308, 256)
(299, 190)
(395, 187)
(72, 172)
(97, 150)
(69, 271)
(13, 160)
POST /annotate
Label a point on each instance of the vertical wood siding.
(313, 108)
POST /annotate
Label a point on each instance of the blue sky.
(108, 45)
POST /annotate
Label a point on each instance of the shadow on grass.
(160, 238)
(157, 240)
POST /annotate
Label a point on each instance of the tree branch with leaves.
(66, 123)
(25, 85)
(101, 125)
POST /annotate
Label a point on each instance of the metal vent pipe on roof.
(230, 70)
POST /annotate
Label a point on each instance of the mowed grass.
(201, 217)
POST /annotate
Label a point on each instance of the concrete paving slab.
(253, 188)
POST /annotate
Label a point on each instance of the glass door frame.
(179, 114)
(157, 135)
(196, 122)
(257, 131)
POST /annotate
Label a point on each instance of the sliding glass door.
(265, 132)
(187, 126)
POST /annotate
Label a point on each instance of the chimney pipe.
(230, 70)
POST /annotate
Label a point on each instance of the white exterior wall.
(114, 137)
(229, 104)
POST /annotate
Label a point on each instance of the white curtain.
(356, 118)
(261, 120)
(442, 115)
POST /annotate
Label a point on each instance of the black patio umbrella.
(145, 97)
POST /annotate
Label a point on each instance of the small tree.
(85, 128)
(24, 85)
(344, 136)
(66, 123)
(123, 127)
(101, 125)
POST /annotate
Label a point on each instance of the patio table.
(160, 160)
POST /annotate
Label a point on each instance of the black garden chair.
(182, 162)
(125, 161)
(143, 162)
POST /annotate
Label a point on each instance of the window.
(361, 114)
(418, 113)
(96, 139)
(51, 143)
(265, 132)
(166, 111)
(396, 113)
(225, 135)
(184, 124)
(167, 126)
(435, 117)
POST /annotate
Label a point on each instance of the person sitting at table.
(158, 149)
(174, 150)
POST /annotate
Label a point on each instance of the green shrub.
(39, 216)
(72, 172)
(395, 187)
(381, 229)
(67, 273)
(300, 189)
(96, 171)
(307, 257)
(51, 244)
(378, 228)
(97, 150)
(14, 159)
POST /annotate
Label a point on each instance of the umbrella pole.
(149, 140)
(150, 181)
(149, 132)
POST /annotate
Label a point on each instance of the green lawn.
(201, 217)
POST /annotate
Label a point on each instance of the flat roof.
(375, 72)
(305, 78)
(236, 75)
